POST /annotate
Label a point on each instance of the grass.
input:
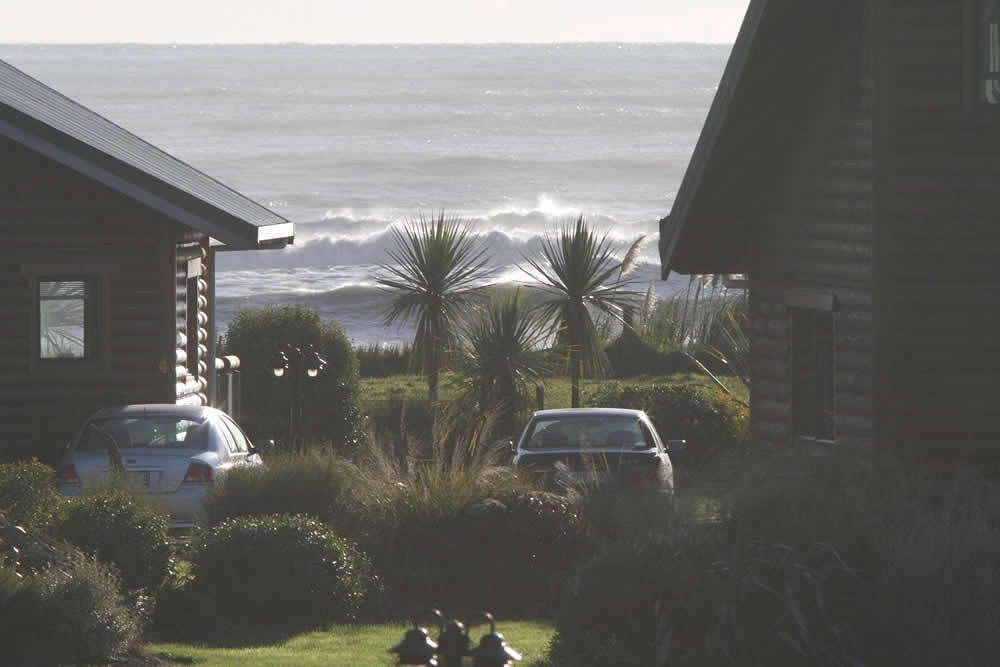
(358, 646)
(557, 390)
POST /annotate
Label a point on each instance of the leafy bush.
(460, 530)
(509, 553)
(609, 613)
(707, 418)
(853, 502)
(400, 419)
(69, 615)
(120, 530)
(630, 356)
(936, 592)
(331, 402)
(769, 605)
(313, 484)
(282, 571)
(27, 496)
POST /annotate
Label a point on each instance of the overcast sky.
(368, 21)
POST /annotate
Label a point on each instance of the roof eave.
(672, 227)
(234, 232)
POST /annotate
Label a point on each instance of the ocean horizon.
(347, 140)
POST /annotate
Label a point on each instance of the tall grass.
(377, 361)
(939, 586)
(695, 319)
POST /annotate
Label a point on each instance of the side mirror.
(676, 446)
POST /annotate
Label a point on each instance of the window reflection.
(62, 318)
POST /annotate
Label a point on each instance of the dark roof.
(778, 48)
(672, 226)
(50, 123)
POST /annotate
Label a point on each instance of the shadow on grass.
(230, 638)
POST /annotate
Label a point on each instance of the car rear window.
(147, 431)
(588, 432)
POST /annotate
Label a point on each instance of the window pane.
(153, 431)
(62, 319)
(813, 373)
(989, 18)
(586, 432)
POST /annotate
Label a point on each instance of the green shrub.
(121, 531)
(314, 484)
(768, 605)
(27, 495)
(630, 356)
(854, 502)
(937, 590)
(70, 615)
(282, 571)
(510, 553)
(707, 418)
(401, 418)
(609, 613)
(331, 400)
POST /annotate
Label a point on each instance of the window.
(226, 435)
(988, 51)
(68, 311)
(150, 432)
(236, 433)
(583, 432)
(813, 373)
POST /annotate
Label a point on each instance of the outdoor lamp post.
(453, 641)
(417, 649)
(493, 651)
(297, 363)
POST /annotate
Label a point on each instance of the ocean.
(346, 141)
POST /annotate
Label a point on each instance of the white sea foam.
(346, 141)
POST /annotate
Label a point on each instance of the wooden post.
(540, 396)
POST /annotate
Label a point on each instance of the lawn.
(557, 390)
(354, 646)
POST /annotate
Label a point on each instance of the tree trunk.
(509, 394)
(432, 383)
(574, 378)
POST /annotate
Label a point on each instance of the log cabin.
(107, 267)
(849, 173)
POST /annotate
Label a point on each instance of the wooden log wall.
(50, 217)
(812, 234)
(192, 321)
(940, 200)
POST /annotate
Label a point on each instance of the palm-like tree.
(435, 268)
(503, 356)
(578, 271)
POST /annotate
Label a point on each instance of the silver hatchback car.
(169, 453)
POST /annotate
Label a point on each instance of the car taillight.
(67, 474)
(198, 473)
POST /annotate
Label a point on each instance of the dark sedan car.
(596, 446)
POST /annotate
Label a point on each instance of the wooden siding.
(812, 239)
(53, 218)
(940, 200)
(192, 332)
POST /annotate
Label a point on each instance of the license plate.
(143, 479)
